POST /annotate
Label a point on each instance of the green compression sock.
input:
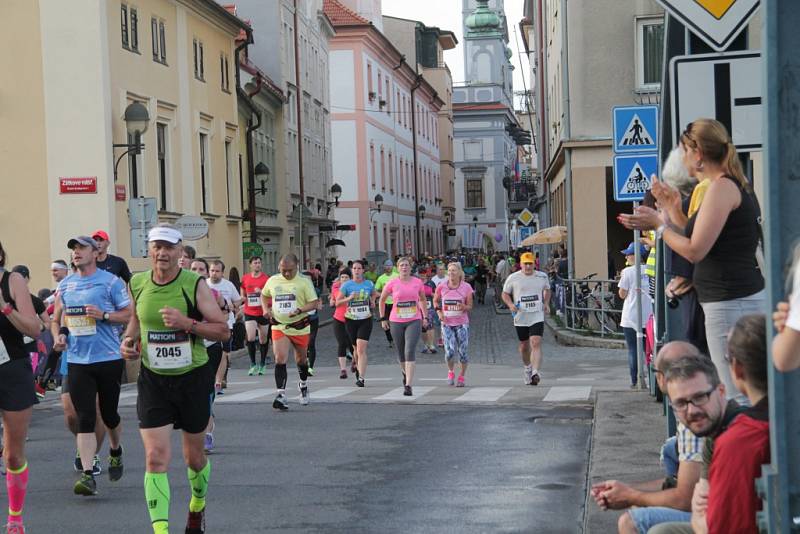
(199, 482)
(156, 492)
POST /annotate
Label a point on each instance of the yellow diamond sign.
(717, 22)
(718, 8)
(525, 217)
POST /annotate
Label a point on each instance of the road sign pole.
(637, 237)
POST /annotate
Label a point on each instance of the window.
(380, 86)
(161, 141)
(473, 151)
(158, 40)
(391, 174)
(124, 24)
(228, 173)
(383, 170)
(371, 94)
(474, 193)
(397, 103)
(199, 68)
(204, 185)
(225, 79)
(649, 52)
(134, 34)
(372, 163)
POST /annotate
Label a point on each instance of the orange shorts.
(301, 340)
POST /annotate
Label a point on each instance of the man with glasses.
(108, 262)
(659, 500)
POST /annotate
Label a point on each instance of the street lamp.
(137, 119)
(378, 202)
(474, 221)
(336, 192)
(421, 212)
(262, 174)
(448, 218)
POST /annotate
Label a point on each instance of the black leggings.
(101, 381)
(388, 313)
(342, 339)
(312, 343)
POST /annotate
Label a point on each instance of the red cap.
(101, 234)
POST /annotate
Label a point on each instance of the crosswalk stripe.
(246, 396)
(568, 393)
(397, 394)
(482, 395)
(333, 392)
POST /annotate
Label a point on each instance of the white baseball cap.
(165, 233)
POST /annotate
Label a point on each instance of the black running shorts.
(16, 385)
(260, 319)
(524, 333)
(358, 329)
(183, 401)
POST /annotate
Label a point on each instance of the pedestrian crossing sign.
(635, 129)
(632, 176)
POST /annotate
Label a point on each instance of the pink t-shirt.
(338, 314)
(405, 297)
(452, 302)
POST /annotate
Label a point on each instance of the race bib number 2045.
(169, 350)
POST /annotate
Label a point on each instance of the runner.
(232, 304)
(286, 299)
(174, 312)
(252, 284)
(359, 297)
(429, 332)
(108, 262)
(404, 318)
(17, 319)
(527, 294)
(343, 342)
(90, 302)
(453, 302)
(389, 273)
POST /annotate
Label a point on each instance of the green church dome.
(483, 19)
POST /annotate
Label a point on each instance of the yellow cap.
(527, 257)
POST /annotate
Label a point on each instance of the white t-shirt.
(437, 280)
(627, 282)
(229, 293)
(527, 292)
(793, 320)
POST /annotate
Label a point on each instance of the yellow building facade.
(63, 106)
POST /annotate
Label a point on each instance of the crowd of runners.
(176, 322)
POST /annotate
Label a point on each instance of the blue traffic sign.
(524, 232)
(635, 129)
(632, 176)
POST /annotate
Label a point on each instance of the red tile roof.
(341, 15)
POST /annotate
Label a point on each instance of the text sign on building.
(726, 87)
(71, 186)
(635, 129)
(120, 193)
(632, 176)
(717, 22)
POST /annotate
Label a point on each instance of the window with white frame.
(205, 178)
(158, 40)
(649, 52)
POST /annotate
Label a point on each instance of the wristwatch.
(106, 316)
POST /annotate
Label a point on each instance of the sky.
(446, 14)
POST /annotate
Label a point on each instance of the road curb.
(571, 339)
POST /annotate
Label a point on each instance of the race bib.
(406, 310)
(358, 309)
(453, 308)
(78, 322)
(284, 304)
(530, 303)
(4, 357)
(254, 300)
(169, 350)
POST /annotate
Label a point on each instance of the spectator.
(660, 500)
(631, 327)
(187, 255)
(786, 346)
(725, 499)
(108, 262)
(720, 239)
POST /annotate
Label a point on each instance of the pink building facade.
(373, 121)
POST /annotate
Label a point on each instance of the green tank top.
(166, 351)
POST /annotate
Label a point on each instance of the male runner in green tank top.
(174, 311)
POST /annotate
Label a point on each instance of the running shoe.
(360, 382)
(15, 528)
(280, 403)
(262, 369)
(208, 442)
(77, 465)
(460, 383)
(115, 466)
(535, 379)
(86, 485)
(310, 371)
(40, 391)
(407, 391)
(96, 469)
(528, 376)
(196, 522)
(303, 393)
(253, 370)
(425, 350)
(451, 378)
(343, 374)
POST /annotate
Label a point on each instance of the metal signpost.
(636, 139)
(142, 216)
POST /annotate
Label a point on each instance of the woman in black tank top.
(17, 319)
(720, 239)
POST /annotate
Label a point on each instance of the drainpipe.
(251, 174)
(299, 133)
(565, 136)
(417, 83)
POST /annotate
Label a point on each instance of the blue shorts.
(649, 516)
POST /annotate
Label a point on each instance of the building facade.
(173, 57)
(386, 143)
(485, 149)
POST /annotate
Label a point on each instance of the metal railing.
(588, 305)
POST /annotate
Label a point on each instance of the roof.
(466, 106)
(231, 8)
(341, 15)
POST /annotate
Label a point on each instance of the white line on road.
(564, 379)
(246, 395)
(568, 393)
(332, 392)
(482, 395)
(432, 379)
(397, 394)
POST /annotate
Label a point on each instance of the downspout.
(565, 136)
(299, 132)
(251, 179)
(416, 86)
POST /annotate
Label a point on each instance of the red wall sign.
(70, 186)
(119, 192)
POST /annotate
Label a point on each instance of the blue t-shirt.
(359, 307)
(90, 340)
